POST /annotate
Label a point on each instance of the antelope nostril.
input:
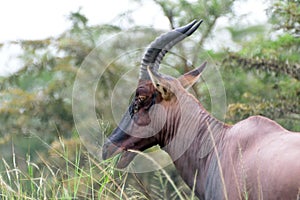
(104, 155)
(105, 150)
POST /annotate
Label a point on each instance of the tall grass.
(71, 173)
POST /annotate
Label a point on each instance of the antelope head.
(153, 109)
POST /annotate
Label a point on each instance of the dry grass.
(71, 173)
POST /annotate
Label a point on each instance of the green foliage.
(284, 48)
(181, 12)
(285, 16)
(262, 86)
(266, 72)
(240, 34)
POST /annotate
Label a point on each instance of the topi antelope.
(253, 159)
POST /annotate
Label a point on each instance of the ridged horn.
(162, 44)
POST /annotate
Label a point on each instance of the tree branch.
(278, 67)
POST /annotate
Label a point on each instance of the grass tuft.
(68, 171)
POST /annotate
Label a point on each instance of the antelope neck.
(187, 138)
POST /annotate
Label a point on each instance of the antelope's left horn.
(162, 44)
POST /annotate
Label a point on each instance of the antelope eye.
(138, 103)
(141, 98)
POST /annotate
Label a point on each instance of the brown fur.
(254, 159)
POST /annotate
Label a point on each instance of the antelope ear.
(190, 78)
(159, 83)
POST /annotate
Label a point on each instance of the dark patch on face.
(120, 141)
(146, 96)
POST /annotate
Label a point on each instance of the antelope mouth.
(125, 159)
(123, 156)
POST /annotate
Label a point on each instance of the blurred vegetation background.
(41, 153)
